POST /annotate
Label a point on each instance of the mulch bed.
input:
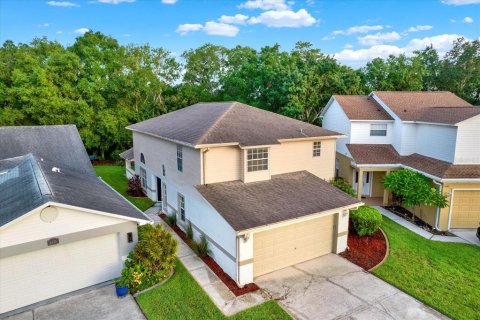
(410, 217)
(229, 282)
(366, 252)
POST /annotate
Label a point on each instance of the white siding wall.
(360, 133)
(408, 140)
(335, 119)
(197, 209)
(436, 141)
(468, 142)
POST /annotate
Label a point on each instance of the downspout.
(203, 164)
(437, 211)
(237, 260)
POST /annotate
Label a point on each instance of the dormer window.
(257, 159)
(379, 130)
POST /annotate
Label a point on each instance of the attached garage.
(281, 247)
(56, 270)
(465, 211)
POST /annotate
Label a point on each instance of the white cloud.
(210, 27)
(326, 38)
(62, 4)
(265, 5)
(379, 38)
(126, 35)
(82, 30)
(358, 29)
(442, 43)
(115, 1)
(419, 28)
(236, 19)
(220, 29)
(185, 28)
(59, 32)
(348, 46)
(43, 25)
(287, 18)
(467, 20)
(460, 2)
(169, 1)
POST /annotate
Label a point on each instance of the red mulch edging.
(366, 251)
(229, 282)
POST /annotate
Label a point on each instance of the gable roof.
(127, 154)
(61, 143)
(283, 197)
(361, 108)
(375, 154)
(448, 115)
(227, 122)
(414, 105)
(27, 157)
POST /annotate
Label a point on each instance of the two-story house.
(434, 133)
(254, 183)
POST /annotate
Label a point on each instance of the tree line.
(102, 86)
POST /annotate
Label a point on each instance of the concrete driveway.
(469, 235)
(101, 303)
(330, 287)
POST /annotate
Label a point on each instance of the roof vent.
(55, 169)
(404, 110)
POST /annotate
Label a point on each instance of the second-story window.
(378, 130)
(317, 149)
(179, 158)
(257, 159)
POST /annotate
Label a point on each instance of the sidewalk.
(421, 232)
(223, 298)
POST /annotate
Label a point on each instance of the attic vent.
(55, 169)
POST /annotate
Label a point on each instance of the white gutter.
(437, 210)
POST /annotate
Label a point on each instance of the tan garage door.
(281, 247)
(466, 209)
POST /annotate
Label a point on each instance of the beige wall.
(346, 170)
(377, 186)
(447, 190)
(222, 164)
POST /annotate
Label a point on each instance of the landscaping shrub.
(343, 185)
(365, 220)
(134, 188)
(151, 259)
(189, 232)
(171, 219)
(201, 247)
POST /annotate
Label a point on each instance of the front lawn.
(115, 177)
(443, 275)
(183, 298)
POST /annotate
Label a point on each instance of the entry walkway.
(421, 232)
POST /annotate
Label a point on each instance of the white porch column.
(360, 184)
(245, 259)
(341, 220)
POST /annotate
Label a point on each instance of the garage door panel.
(465, 209)
(280, 247)
(43, 274)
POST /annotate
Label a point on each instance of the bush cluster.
(365, 220)
(152, 258)
(343, 185)
(134, 187)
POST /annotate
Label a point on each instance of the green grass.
(443, 275)
(115, 177)
(183, 298)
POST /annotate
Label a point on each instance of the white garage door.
(46, 273)
(281, 247)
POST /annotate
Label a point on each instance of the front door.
(367, 182)
(159, 189)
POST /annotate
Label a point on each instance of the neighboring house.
(129, 162)
(61, 227)
(255, 183)
(434, 133)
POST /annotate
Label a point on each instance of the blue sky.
(355, 31)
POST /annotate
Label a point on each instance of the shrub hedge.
(343, 185)
(365, 220)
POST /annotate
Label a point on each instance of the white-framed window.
(179, 158)
(257, 159)
(317, 148)
(378, 129)
(181, 206)
(143, 177)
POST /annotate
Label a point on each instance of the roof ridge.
(216, 123)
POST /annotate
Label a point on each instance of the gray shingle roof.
(127, 154)
(361, 108)
(227, 122)
(284, 197)
(27, 180)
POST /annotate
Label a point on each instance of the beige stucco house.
(61, 228)
(434, 133)
(255, 183)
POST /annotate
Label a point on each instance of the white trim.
(381, 121)
(452, 199)
(430, 123)
(329, 103)
(25, 215)
(466, 180)
(163, 138)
